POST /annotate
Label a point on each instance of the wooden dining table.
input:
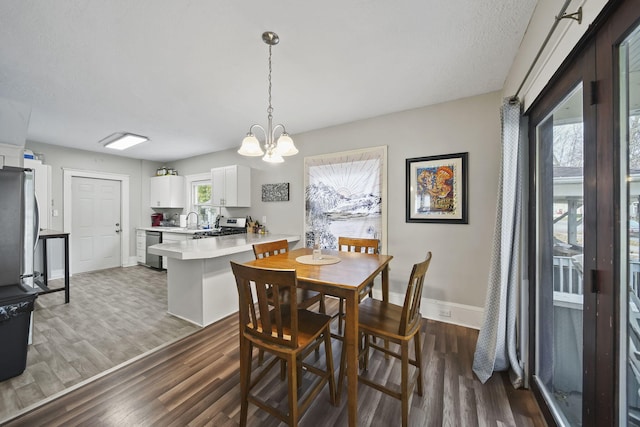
(345, 279)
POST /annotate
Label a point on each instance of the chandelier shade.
(274, 149)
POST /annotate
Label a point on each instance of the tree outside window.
(201, 202)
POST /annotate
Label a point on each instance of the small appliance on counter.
(156, 219)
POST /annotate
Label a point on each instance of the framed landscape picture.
(437, 189)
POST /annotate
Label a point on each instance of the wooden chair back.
(410, 318)
(268, 316)
(355, 244)
(262, 250)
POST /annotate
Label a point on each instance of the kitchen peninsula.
(201, 286)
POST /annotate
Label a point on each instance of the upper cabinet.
(231, 186)
(166, 191)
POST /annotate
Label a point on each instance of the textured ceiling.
(192, 75)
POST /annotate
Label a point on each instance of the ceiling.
(192, 74)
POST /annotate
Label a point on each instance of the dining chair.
(354, 244)
(279, 327)
(397, 324)
(306, 298)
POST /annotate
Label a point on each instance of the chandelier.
(273, 149)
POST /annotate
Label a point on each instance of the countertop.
(213, 247)
(179, 230)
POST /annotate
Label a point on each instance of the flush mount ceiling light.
(274, 149)
(122, 141)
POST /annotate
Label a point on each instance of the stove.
(227, 226)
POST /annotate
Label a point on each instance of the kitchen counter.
(213, 247)
(201, 287)
(180, 230)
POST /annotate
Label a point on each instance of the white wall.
(461, 253)
(138, 171)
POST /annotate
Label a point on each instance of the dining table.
(340, 274)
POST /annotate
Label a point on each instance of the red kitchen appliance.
(156, 219)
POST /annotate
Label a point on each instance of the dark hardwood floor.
(194, 382)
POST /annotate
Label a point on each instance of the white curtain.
(497, 346)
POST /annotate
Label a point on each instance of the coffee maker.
(156, 219)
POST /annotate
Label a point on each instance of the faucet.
(196, 214)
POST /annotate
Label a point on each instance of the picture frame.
(275, 192)
(345, 195)
(437, 189)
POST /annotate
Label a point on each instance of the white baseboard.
(132, 261)
(449, 312)
(56, 274)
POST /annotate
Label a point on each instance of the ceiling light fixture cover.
(122, 141)
(275, 149)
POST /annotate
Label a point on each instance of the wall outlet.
(264, 219)
(444, 312)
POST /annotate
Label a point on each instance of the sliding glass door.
(560, 238)
(629, 146)
(584, 250)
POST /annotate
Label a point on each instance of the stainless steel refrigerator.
(18, 237)
(18, 226)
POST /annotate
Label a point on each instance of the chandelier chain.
(270, 109)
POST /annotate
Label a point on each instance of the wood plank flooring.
(113, 316)
(194, 382)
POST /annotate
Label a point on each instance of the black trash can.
(16, 305)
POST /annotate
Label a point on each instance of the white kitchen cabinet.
(167, 191)
(43, 190)
(231, 186)
(171, 238)
(141, 246)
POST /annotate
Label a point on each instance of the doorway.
(95, 229)
(124, 207)
(585, 161)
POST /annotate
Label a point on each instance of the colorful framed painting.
(345, 195)
(437, 189)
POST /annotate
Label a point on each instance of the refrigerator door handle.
(36, 223)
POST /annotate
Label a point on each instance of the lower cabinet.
(141, 246)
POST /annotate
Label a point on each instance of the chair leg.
(245, 378)
(260, 357)
(292, 370)
(340, 315)
(404, 382)
(329, 357)
(283, 370)
(341, 373)
(323, 307)
(418, 350)
(365, 362)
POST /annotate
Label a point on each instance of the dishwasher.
(153, 238)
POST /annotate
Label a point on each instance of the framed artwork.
(345, 195)
(437, 189)
(275, 192)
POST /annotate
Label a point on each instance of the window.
(200, 199)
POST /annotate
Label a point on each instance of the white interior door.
(95, 224)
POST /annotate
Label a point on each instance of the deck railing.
(568, 286)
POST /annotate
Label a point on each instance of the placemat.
(326, 259)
